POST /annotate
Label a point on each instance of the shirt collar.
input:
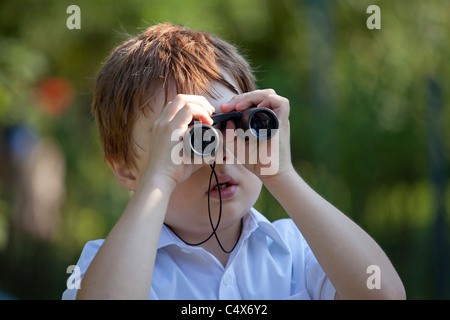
(253, 221)
(168, 237)
(267, 227)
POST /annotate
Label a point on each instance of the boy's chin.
(231, 209)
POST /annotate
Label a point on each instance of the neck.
(220, 246)
(227, 240)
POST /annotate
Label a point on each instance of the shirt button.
(226, 280)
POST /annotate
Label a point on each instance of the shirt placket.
(228, 289)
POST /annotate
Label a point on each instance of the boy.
(156, 84)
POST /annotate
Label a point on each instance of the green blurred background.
(370, 122)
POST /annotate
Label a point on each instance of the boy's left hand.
(280, 155)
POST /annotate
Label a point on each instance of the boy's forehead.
(218, 95)
(222, 94)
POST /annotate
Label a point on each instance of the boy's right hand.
(174, 118)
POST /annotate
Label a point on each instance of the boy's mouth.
(227, 186)
(221, 186)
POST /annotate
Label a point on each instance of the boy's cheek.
(269, 156)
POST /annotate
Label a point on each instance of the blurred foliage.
(359, 118)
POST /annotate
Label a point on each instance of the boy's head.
(164, 58)
(135, 84)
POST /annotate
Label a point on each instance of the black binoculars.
(255, 123)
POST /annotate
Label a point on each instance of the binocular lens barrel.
(203, 140)
(261, 122)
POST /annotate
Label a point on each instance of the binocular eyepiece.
(255, 123)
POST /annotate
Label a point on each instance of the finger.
(189, 112)
(264, 99)
(181, 100)
(278, 104)
(246, 100)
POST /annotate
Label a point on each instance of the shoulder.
(87, 255)
(93, 245)
(286, 226)
(283, 231)
(89, 251)
(307, 274)
(290, 234)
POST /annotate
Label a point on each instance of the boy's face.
(187, 213)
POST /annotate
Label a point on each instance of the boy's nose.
(228, 140)
(226, 154)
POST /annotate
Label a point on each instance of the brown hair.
(164, 57)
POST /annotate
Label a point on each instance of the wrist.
(281, 175)
(159, 181)
(151, 198)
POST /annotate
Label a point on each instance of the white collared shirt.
(270, 261)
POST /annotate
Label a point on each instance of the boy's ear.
(123, 174)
